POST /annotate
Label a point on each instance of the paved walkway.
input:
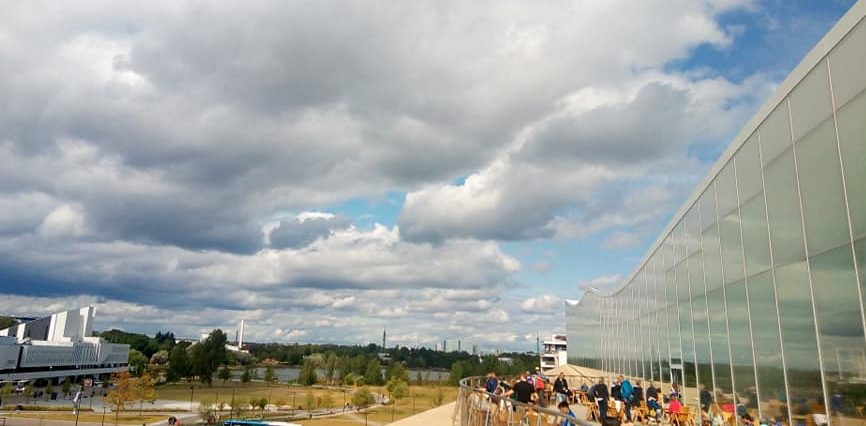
(437, 416)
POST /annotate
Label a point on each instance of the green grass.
(244, 392)
(424, 396)
(124, 418)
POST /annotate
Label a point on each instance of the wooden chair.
(641, 412)
(687, 416)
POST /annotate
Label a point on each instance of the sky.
(326, 170)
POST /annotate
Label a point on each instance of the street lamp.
(191, 393)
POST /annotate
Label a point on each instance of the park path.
(437, 416)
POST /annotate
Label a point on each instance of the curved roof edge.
(845, 24)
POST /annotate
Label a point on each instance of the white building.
(58, 345)
(555, 352)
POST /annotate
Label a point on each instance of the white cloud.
(65, 220)
(544, 305)
(170, 148)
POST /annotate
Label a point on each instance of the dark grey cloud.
(300, 232)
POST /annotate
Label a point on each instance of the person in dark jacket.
(614, 390)
(637, 395)
(599, 392)
(652, 401)
(560, 388)
(706, 399)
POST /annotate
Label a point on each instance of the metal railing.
(477, 407)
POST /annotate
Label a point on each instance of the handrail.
(476, 407)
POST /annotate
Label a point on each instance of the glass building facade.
(756, 289)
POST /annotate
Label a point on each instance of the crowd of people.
(623, 401)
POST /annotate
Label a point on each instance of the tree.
(5, 391)
(373, 375)
(438, 397)
(247, 375)
(144, 389)
(160, 357)
(309, 400)
(178, 364)
(456, 373)
(419, 380)
(66, 386)
(261, 404)
(397, 371)
(49, 390)
(137, 362)
(121, 393)
(269, 375)
(397, 389)
(28, 390)
(206, 409)
(6, 322)
(327, 400)
(208, 355)
(363, 398)
(307, 376)
(330, 367)
(225, 374)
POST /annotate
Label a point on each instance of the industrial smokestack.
(241, 335)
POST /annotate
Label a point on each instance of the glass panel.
(786, 232)
(673, 315)
(852, 138)
(726, 192)
(821, 189)
(748, 163)
(700, 322)
(756, 241)
(810, 101)
(719, 344)
(775, 133)
(718, 321)
(848, 65)
(799, 342)
(685, 308)
(843, 345)
(708, 207)
(768, 347)
(741, 346)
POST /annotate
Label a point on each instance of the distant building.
(554, 352)
(58, 345)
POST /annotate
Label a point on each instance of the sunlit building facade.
(756, 289)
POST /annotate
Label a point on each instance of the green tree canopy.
(178, 364)
(207, 356)
(373, 375)
(363, 398)
(308, 376)
(138, 362)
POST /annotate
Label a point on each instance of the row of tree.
(295, 354)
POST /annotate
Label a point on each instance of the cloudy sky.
(325, 169)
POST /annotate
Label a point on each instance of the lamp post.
(77, 410)
(191, 393)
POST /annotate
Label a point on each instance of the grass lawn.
(421, 398)
(124, 418)
(382, 415)
(243, 392)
